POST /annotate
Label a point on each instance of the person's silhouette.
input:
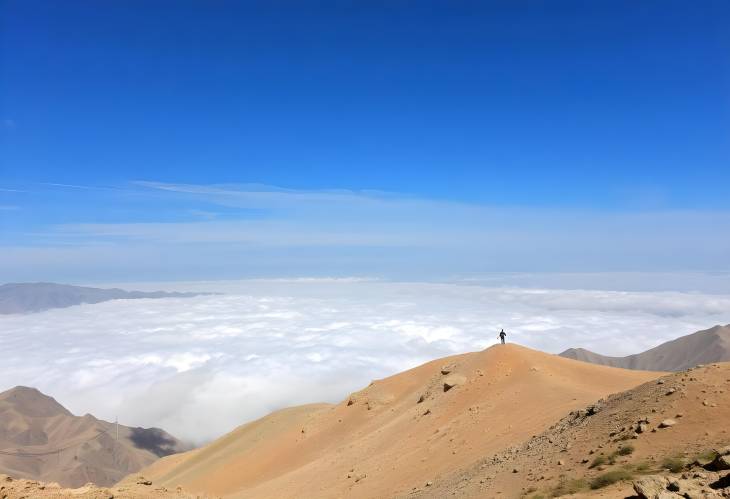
(502, 336)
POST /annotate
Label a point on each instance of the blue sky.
(176, 140)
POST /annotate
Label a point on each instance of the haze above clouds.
(198, 367)
(165, 231)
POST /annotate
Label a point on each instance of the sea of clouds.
(200, 366)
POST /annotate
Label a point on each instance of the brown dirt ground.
(698, 400)
(382, 442)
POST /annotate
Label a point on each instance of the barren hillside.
(40, 439)
(702, 347)
(666, 423)
(398, 432)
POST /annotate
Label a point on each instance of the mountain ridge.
(40, 439)
(677, 421)
(383, 440)
(28, 297)
(702, 347)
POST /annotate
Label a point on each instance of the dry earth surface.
(400, 432)
(482, 425)
(666, 423)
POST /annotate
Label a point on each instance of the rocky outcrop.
(696, 483)
(134, 488)
(722, 460)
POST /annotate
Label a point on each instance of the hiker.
(502, 335)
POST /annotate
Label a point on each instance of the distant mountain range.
(18, 298)
(42, 440)
(702, 347)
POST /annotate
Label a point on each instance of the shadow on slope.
(154, 440)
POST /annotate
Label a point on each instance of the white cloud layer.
(198, 367)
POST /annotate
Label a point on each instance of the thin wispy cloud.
(296, 203)
(315, 232)
(80, 186)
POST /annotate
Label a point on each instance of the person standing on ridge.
(502, 336)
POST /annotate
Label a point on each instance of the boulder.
(692, 489)
(720, 463)
(653, 487)
(454, 380)
(592, 409)
(667, 423)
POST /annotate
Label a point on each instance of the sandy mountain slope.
(40, 439)
(16, 298)
(696, 403)
(398, 432)
(702, 347)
